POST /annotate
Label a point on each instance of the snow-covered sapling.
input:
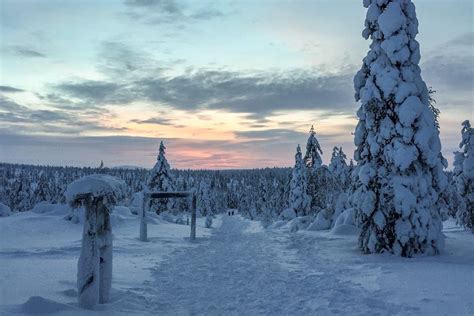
(399, 163)
(99, 194)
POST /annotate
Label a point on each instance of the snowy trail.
(238, 271)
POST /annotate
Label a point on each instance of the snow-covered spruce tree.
(338, 167)
(300, 201)
(204, 198)
(160, 179)
(42, 191)
(464, 176)
(399, 164)
(312, 158)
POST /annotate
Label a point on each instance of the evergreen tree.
(42, 191)
(300, 201)
(160, 180)
(399, 162)
(464, 176)
(338, 167)
(313, 154)
(204, 198)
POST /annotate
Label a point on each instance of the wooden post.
(94, 275)
(104, 235)
(143, 227)
(193, 218)
(88, 276)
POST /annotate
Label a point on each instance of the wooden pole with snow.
(193, 218)
(148, 196)
(99, 195)
(143, 227)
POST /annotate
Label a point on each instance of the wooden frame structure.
(149, 196)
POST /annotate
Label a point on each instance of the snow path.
(238, 271)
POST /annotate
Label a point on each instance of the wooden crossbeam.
(164, 195)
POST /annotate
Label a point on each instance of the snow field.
(240, 268)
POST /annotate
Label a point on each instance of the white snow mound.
(4, 210)
(41, 305)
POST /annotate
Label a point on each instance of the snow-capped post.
(193, 218)
(399, 163)
(143, 227)
(99, 194)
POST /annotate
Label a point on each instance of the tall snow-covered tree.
(399, 162)
(312, 158)
(42, 191)
(300, 201)
(464, 176)
(204, 198)
(338, 167)
(160, 179)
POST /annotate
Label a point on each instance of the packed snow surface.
(240, 268)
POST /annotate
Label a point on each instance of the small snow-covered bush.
(299, 223)
(287, 214)
(347, 217)
(208, 221)
(321, 222)
(136, 204)
(4, 210)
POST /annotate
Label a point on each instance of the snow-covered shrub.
(347, 217)
(321, 222)
(208, 221)
(136, 203)
(464, 176)
(287, 214)
(4, 210)
(399, 162)
(299, 223)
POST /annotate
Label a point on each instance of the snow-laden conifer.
(338, 167)
(312, 158)
(204, 198)
(399, 164)
(464, 176)
(300, 201)
(160, 179)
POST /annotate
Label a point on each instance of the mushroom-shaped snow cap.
(96, 185)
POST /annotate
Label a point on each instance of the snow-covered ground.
(39, 254)
(235, 268)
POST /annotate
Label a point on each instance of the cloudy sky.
(226, 84)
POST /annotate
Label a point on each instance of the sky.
(225, 84)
